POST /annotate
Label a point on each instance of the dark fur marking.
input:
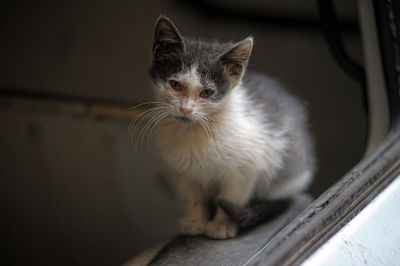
(257, 212)
(184, 119)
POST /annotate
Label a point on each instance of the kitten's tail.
(256, 212)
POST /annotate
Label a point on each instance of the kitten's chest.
(192, 151)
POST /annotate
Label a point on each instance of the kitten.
(229, 137)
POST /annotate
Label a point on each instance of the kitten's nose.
(185, 110)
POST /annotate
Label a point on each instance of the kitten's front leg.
(236, 189)
(195, 215)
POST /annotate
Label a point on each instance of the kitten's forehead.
(190, 77)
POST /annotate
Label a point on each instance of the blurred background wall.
(73, 192)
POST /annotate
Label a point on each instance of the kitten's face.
(192, 78)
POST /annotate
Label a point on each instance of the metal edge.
(334, 208)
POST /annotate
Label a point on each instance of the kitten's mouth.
(184, 119)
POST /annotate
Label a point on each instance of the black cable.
(387, 41)
(333, 36)
(331, 29)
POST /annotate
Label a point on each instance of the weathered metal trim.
(335, 208)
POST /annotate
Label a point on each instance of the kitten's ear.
(236, 58)
(167, 38)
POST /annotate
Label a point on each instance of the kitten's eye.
(206, 93)
(175, 85)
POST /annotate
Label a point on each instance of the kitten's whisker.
(137, 122)
(150, 132)
(134, 122)
(210, 121)
(211, 125)
(145, 115)
(146, 129)
(143, 128)
(205, 125)
(150, 103)
(147, 126)
(155, 114)
(207, 128)
(130, 125)
(158, 104)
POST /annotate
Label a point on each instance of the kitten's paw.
(221, 229)
(191, 227)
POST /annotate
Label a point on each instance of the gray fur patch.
(286, 113)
